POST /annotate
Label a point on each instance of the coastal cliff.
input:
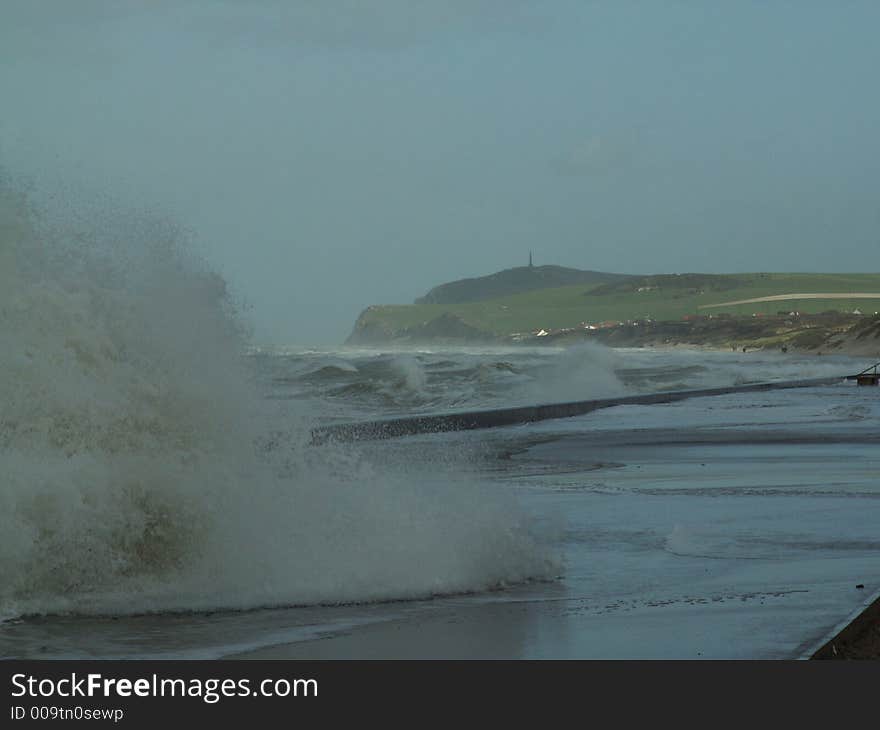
(819, 313)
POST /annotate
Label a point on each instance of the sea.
(161, 495)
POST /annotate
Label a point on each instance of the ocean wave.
(132, 481)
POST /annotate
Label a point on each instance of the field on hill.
(660, 298)
(516, 281)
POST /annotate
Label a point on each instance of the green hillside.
(515, 281)
(659, 298)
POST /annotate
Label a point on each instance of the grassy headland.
(646, 302)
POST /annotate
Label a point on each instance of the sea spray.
(132, 475)
(580, 372)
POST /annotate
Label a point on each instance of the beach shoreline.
(408, 638)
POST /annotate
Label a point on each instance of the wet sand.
(471, 632)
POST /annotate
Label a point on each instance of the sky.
(327, 155)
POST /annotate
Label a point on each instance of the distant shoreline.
(825, 333)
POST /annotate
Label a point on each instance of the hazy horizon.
(326, 157)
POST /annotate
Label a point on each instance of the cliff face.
(446, 328)
(514, 281)
(369, 331)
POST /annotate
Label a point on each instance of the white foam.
(581, 372)
(410, 373)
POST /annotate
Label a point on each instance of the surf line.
(470, 420)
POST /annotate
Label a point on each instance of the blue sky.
(327, 156)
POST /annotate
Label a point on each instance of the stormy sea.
(162, 496)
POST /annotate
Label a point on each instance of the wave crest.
(132, 481)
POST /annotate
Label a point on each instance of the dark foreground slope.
(514, 281)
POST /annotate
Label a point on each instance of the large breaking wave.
(131, 480)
